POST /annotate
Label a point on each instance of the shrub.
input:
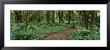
(34, 32)
(22, 35)
(85, 34)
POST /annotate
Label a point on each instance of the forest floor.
(63, 35)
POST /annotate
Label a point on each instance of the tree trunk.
(53, 16)
(69, 16)
(60, 16)
(48, 17)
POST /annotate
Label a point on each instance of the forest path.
(63, 35)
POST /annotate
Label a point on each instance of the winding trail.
(63, 35)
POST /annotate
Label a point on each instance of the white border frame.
(56, 43)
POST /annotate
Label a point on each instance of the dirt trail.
(62, 35)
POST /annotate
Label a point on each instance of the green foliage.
(23, 35)
(64, 24)
(34, 32)
(85, 34)
(38, 24)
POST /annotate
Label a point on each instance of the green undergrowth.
(85, 34)
(37, 31)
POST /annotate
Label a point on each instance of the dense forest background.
(55, 24)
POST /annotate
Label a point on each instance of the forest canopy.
(55, 24)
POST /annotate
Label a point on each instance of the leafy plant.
(85, 34)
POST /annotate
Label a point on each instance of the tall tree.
(48, 17)
(53, 16)
(69, 16)
(60, 13)
(18, 16)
